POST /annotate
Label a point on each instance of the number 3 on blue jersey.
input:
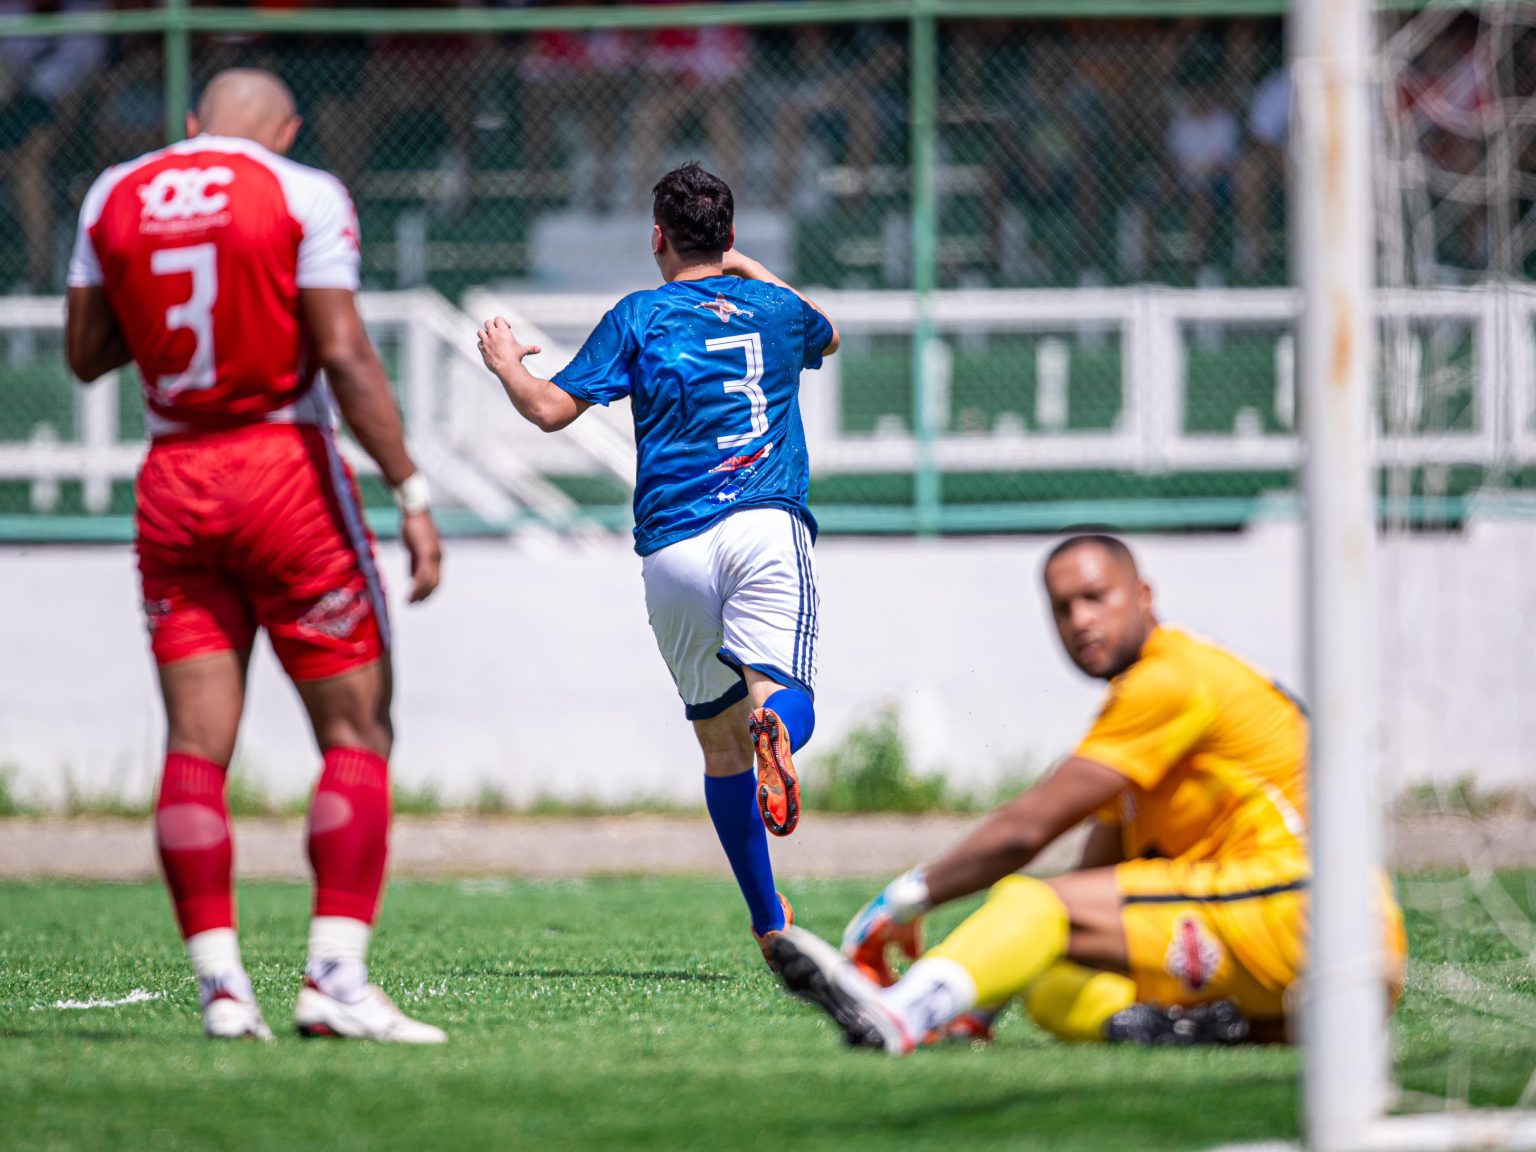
(751, 344)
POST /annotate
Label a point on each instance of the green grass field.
(630, 1013)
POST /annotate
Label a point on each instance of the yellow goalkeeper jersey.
(1215, 753)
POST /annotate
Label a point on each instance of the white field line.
(137, 996)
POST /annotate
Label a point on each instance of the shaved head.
(250, 104)
(1114, 547)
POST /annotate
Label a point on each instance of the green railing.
(922, 145)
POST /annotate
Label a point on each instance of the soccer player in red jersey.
(229, 274)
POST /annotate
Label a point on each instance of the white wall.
(533, 670)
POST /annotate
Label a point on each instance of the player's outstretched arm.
(93, 342)
(543, 404)
(1004, 842)
(361, 386)
(1016, 833)
(740, 264)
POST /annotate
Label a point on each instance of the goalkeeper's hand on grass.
(893, 918)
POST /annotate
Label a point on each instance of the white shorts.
(742, 593)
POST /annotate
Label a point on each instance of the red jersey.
(202, 248)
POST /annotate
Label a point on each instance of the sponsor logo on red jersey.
(183, 199)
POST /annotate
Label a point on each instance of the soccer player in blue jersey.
(711, 362)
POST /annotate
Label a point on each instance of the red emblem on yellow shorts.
(1194, 956)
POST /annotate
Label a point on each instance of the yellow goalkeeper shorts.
(1198, 930)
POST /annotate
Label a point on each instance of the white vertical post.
(422, 366)
(96, 423)
(1162, 406)
(1053, 363)
(1285, 381)
(1344, 1005)
(821, 406)
(936, 403)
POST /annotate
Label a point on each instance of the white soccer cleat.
(373, 1017)
(226, 1017)
(821, 975)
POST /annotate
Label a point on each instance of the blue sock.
(732, 802)
(797, 712)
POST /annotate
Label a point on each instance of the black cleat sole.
(805, 979)
(1153, 1026)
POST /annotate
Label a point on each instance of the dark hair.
(695, 210)
(1115, 546)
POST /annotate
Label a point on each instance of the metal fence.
(1054, 235)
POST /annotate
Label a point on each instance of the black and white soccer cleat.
(1151, 1025)
(820, 975)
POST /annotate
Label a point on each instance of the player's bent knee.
(214, 747)
(1023, 890)
(366, 732)
(725, 742)
(352, 710)
(1073, 1003)
(728, 762)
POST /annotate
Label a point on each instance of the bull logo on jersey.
(723, 308)
(186, 193)
(1194, 956)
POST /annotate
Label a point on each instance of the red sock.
(192, 831)
(349, 833)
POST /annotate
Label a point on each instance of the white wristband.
(908, 895)
(412, 496)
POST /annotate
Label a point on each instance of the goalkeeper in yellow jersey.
(1185, 921)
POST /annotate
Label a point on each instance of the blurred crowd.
(1069, 150)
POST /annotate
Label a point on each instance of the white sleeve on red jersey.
(328, 252)
(84, 267)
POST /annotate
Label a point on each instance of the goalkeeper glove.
(892, 918)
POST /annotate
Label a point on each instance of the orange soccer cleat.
(778, 788)
(765, 941)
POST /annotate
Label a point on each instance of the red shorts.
(258, 527)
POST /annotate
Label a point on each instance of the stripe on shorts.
(357, 533)
(812, 599)
(815, 595)
(799, 612)
(1217, 897)
(802, 617)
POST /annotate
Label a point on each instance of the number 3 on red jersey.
(195, 314)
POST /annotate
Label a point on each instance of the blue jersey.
(712, 368)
